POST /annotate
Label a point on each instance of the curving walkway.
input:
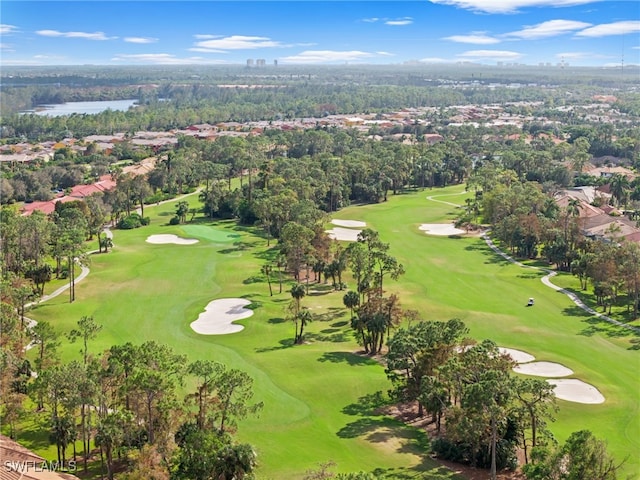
(433, 199)
(546, 280)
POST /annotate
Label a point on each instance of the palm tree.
(298, 292)
(266, 270)
(304, 317)
(236, 462)
(619, 186)
(351, 300)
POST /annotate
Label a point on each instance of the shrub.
(130, 222)
(145, 220)
(174, 220)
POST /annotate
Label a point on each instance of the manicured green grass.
(314, 393)
(448, 277)
(311, 392)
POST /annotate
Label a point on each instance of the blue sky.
(578, 32)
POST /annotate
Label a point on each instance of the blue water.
(82, 107)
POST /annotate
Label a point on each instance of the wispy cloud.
(206, 36)
(574, 56)
(141, 40)
(436, 60)
(6, 47)
(477, 38)
(386, 54)
(394, 22)
(7, 29)
(327, 56)
(207, 50)
(238, 42)
(508, 6)
(84, 35)
(547, 29)
(399, 22)
(164, 59)
(608, 29)
(497, 55)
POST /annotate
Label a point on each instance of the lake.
(82, 107)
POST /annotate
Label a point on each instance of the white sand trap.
(349, 223)
(170, 238)
(573, 390)
(440, 229)
(219, 314)
(518, 356)
(346, 234)
(543, 369)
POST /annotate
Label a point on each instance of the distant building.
(275, 63)
(261, 62)
(250, 62)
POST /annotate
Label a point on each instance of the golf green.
(207, 232)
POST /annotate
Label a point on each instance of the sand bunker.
(518, 356)
(219, 314)
(573, 390)
(349, 223)
(543, 369)
(445, 229)
(170, 238)
(346, 234)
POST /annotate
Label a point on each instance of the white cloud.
(386, 54)
(573, 56)
(206, 36)
(508, 6)
(7, 29)
(370, 20)
(547, 29)
(436, 60)
(6, 47)
(140, 39)
(207, 50)
(325, 56)
(607, 29)
(399, 21)
(164, 59)
(497, 55)
(478, 38)
(85, 35)
(238, 42)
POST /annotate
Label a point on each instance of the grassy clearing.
(315, 394)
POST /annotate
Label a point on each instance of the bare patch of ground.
(444, 229)
(170, 238)
(518, 356)
(219, 315)
(345, 234)
(574, 390)
(543, 369)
